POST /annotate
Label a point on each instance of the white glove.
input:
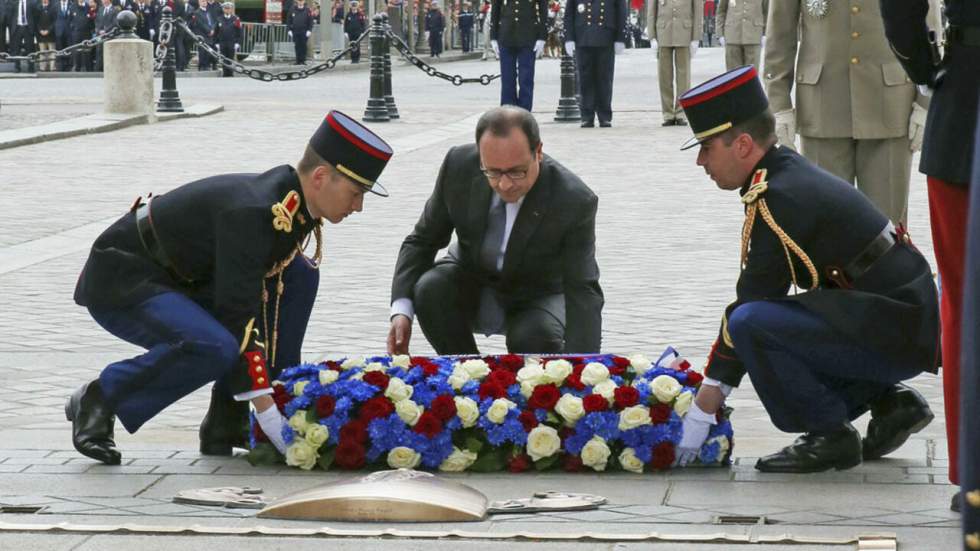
(496, 48)
(694, 47)
(308, 33)
(152, 34)
(272, 422)
(653, 43)
(763, 43)
(619, 47)
(538, 47)
(786, 128)
(237, 46)
(570, 47)
(917, 127)
(289, 34)
(924, 90)
(721, 40)
(696, 425)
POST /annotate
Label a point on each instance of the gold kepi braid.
(757, 204)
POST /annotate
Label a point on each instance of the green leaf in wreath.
(311, 417)
(489, 461)
(552, 419)
(326, 459)
(263, 454)
(474, 444)
(546, 463)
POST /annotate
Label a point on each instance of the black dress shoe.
(588, 124)
(816, 452)
(680, 122)
(669, 122)
(900, 413)
(604, 124)
(92, 424)
(954, 504)
(224, 426)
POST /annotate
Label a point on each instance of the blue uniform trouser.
(517, 76)
(186, 347)
(809, 376)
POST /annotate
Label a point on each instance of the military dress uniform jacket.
(675, 23)
(742, 21)
(300, 20)
(221, 235)
(228, 31)
(595, 23)
(952, 121)
(518, 23)
(551, 248)
(891, 308)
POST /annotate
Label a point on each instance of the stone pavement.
(667, 240)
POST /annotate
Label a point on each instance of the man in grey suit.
(742, 28)
(105, 21)
(674, 27)
(524, 262)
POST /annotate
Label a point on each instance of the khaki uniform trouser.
(47, 65)
(737, 55)
(673, 62)
(880, 168)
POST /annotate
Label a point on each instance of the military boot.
(224, 426)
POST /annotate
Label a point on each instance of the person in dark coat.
(62, 31)
(466, 22)
(300, 25)
(23, 27)
(864, 314)
(354, 27)
(947, 148)
(145, 18)
(5, 10)
(518, 30)
(105, 21)
(595, 31)
(212, 280)
(82, 26)
(202, 24)
(229, 34)
(435, 24)
(44, 34)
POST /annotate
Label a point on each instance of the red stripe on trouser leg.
(948, 214)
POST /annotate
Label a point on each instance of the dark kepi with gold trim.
(353, 150)
(722, 102)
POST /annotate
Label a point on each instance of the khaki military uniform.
(853, 98)
(742, 23)
(674, 24)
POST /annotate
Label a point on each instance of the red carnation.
(511, 362)
(324, 406)
(490, 389)
(595, 402)
(281, 397)
(694, 378)
(377, 379)
(684, 365)
(428, 424)
(528, 419)
(571, 463)
(444, 407)
(619, 365)
(354, 431)
(491, 362)
(626, 396)
(544, 396)
(335, 366)
(575, 381)
(663, 456)
(349, 455)
(519, 463)
(376, 407)
(660, 413)
(502, 377)
(429, 367)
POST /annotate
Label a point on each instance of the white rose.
(527, 389)
(351, 363)
(595, 453)
(683, 403)
(467, 410)
(594, 373)
(606, 389)
(570, 408)
(398, 390)
(401, 360)
(328, 376)
(298, 422)
(298, 388)
(477, 369)
(640, 363)
(498, 410)
(458, 461)
(630, 461)
(531, 373)
(665, 388)
(543, 441)
(374, 366)
(301, 454)
(634, 416)
(403, 458)
(556, 371)
(408, 411)
(316, 435)
(459, 378)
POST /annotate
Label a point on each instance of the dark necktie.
(493, 239)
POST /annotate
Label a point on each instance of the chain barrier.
(166, 33)
(457, 80)
(43, 56)
(266, 76)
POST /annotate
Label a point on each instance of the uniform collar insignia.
(757, 186)
(284, 211)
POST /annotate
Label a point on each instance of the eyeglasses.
(495, 175)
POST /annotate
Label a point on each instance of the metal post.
(169, 98)
(568, 108)
(389, 99)
(377, 110)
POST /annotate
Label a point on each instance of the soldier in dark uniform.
(212, 280)
(466, 20)
(594, 35)
(300, 25)
(202, 24)
(435, 24)
(228, 31)
(518, 30)
(947, 148)
(863, 319)
(354, 27)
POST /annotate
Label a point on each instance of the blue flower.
(709, 453)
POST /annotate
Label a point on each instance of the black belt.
(881, 244)
(148, 236)
(967, 36)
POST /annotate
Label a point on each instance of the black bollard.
(169, 98)
(568, 109)
(377, 110)
(389, 99)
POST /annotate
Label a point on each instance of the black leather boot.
(224, 426)
(900, 413)
(92, 424)
(815, 452)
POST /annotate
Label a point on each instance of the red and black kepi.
(723, 102)
(353, 150)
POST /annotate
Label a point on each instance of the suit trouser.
(186, 346)
(809, 376)
(300, 41)
(227, 50)
(204, 60)
(60, 43)
(435, 42)
(880, 168)
(517, 76)
(673, 62)
(21, 43)
(447, 303)
(466, 38)
(47, 63)
(81, 59)
(737, 55)
(596, 68)
(3, 33)
(948, 217)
